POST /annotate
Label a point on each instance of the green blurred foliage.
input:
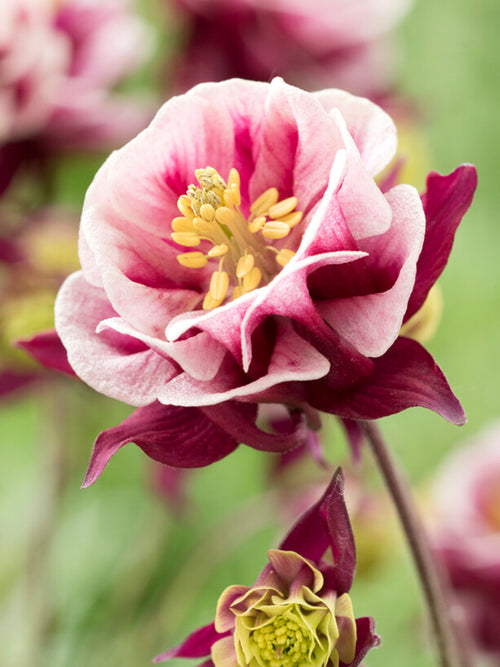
(109, 575)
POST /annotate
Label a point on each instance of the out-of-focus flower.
(313, 45)
(466, 533)
(34, 260)
(299, 610)
(59, 62)
(288, 275)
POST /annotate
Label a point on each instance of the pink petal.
(372, 129)
(292, 359)
(224, 653)
(367, 638)
(371, 323)
(116, 365)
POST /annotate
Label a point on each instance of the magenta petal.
(367, 638)
(197, 645)
(46, 348)
(178, 437)
(445, 203)
(404, 377)
(325, 524)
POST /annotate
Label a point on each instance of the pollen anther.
(282, 208)
(262, 204)
(275, 230)
(245, 265)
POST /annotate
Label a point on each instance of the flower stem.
(430, 579)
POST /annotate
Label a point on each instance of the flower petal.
(445, 203)
(109, 362)
(178, 437)
(405, 376)
(325, 524)
(197, 645)
(46, 347)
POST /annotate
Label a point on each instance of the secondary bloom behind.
(59, 62)
(314, 45)
(239, 251)
(299, 610)
(466, 533)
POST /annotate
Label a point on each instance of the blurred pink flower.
(466, 533)
(299, 307)
(313, 45)
(58, 65)
(299, 610)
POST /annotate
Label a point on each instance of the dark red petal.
(445, 202)
(367, 639)
(404, 377)
(176, 436)
(46, 348)
(197, 645)
(325, 524)
(238, 420)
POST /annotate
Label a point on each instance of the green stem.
(431, 581)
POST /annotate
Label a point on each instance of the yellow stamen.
(252, 279)
(209, 303)
(245, 265)
(283, 207)
(224, 215)
(182, 225)
(184, 206)
(275, 230)
(284, 256)
(292, 219)
(264, 202)
(211, 213)
(234, 178)
(257, 224)
(219, 284)
(188, 239)
(207, 212)
(218, 250)
(192, 260)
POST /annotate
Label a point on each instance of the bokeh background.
(116, 573)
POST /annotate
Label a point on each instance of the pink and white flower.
(288, 275)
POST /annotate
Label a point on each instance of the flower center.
(240, 246)
(282, 642)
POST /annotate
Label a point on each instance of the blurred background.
(118, 572)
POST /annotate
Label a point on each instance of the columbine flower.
(239, 252)
(466, 533)
(313, 45)
(299, 611)
(58, 64)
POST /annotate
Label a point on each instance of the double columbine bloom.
(299, 611)
(240, 251)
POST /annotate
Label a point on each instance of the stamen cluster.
(212, 213)
(282, 643)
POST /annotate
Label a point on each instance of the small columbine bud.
(285, 622)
